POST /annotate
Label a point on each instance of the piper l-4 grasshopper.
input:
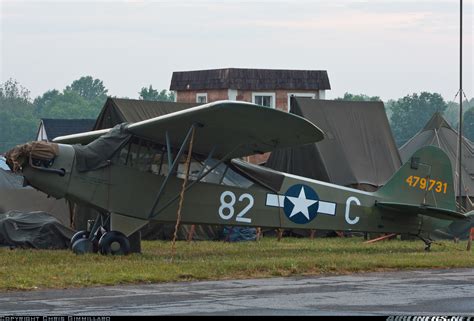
(187, 162)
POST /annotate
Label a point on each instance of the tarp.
(358, 149)
(38, 230)
(20, 154)
(97, 154)
(439, 133)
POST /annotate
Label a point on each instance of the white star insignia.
(301, 204)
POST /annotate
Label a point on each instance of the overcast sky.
(386, 48)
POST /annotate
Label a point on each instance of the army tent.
(439, 133)
(119, 110)
(358, 149)
(15, 196)
(9, 180)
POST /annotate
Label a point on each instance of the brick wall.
(242, 95)
(189, 96)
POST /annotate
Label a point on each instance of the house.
(268, 87)
(49, 129)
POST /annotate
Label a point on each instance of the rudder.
(426, 178)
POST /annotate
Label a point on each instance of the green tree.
(84, 98)
(452, 112)
(468, 124)
(89, 88)
(152, 94)
(410, 114)
(42, 102)
(359, 97)
(17, 121)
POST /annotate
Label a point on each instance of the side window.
(264, 99)
(149, 157)
(224, 175)
(139, 154)
(201, 98)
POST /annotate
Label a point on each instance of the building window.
(264, 99)
(201, 98)
(306, 95)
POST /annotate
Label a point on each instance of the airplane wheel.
(83, 246)
(115, 243)
(79, 235)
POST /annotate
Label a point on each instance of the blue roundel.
(301, 204)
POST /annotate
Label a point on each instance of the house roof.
(250, 79)
(61, 127)
(439, 133)
(119, 110)
(358, 148)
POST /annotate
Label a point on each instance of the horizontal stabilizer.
(423, 209)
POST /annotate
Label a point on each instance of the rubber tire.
(106, 243)
(83, 246)
(77, 236)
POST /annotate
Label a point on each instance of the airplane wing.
(81, 138)
(421, 209)
(224, 125)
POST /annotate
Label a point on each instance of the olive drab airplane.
(134, 173)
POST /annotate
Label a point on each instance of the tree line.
(408, 115)
(84, 98)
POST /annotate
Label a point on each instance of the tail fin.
(426, 179)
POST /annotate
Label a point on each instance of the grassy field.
(33, 269)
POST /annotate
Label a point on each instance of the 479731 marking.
(427, 184)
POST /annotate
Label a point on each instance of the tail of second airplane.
(423, 185)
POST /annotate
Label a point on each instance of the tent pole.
(460, 205)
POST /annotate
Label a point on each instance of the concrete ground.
(433, 292)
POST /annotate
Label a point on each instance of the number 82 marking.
(226, 210)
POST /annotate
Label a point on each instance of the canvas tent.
(9, 180)
(28, 218)
(358, 149)
(439, 133)
(15, 196)
(119, 110)
(116, 111)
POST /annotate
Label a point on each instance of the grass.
(26, 269)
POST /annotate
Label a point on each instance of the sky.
(386, 48)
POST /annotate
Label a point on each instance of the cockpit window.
(225, 175)
(149, 157)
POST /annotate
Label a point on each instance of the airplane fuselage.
(295, 203)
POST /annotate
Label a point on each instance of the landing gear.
(427, 241)
(82, 243)
(428, 247)
(115, 243)
(83, 246)
(79, 235)
(98, 239)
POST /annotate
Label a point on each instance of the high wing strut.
(172, 167)
(198, 179)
